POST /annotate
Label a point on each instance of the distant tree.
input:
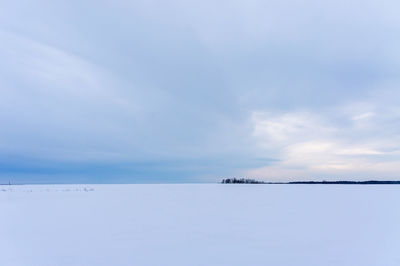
(240, 181)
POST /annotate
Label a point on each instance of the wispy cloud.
(334, 144)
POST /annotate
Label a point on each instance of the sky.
(169, 91)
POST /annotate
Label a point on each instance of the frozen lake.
(210, 224)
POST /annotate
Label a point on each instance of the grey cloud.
(170, 80)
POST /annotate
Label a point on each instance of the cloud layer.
(167, 91)
(356, 141)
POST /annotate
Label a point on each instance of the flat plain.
(199, 224)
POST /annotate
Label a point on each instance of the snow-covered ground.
(213, 224)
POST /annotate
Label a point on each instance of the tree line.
(340, 182)
(240, 181)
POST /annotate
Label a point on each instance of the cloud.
(304, 88)
(310, 145)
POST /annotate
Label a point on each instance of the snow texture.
(210, 224)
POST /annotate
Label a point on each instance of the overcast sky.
(193, 91)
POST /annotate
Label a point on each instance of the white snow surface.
(200, 224)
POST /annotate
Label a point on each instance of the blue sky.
(193, 91)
